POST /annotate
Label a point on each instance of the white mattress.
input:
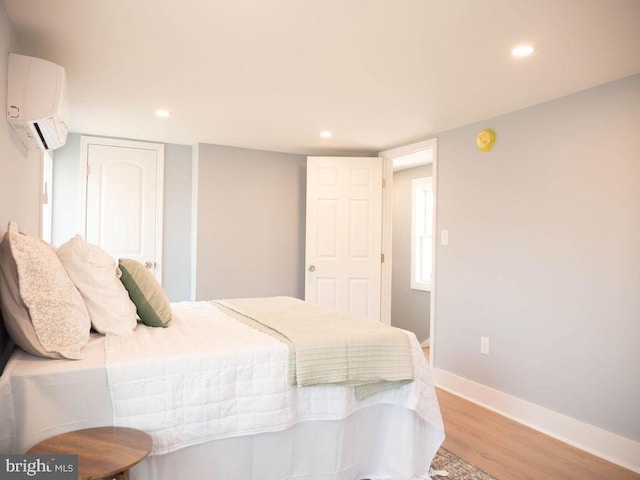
(220, 429)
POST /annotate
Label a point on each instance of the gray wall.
(251, 207)
(409, 307)
(19, 171)
(177, 210)
(544, 255)
(176, 243)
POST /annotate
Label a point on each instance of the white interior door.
(124, 199)
(343, 234)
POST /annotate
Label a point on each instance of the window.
(422, 233)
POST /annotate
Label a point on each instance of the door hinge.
(382, 258)
(384, 183)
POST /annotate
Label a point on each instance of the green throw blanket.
(329, 346)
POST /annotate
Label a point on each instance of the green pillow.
(152, 304)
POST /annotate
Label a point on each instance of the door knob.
(312, 268)
(149, 265)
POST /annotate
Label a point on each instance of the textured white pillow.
(15, 312)
(58, 314)
(96, 276)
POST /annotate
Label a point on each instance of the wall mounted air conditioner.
(37, 102)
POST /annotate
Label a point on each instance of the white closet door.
(124, 199)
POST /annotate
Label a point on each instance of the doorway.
(409, 293)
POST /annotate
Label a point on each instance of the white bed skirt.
(351, 449)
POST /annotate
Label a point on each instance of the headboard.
(6, 345)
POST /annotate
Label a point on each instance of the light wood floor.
(509, 450)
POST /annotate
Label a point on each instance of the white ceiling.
(273, 74)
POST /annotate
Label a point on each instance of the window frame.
(421, 187)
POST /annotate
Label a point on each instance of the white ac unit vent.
(37, 107)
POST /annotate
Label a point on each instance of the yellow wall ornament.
(485, 139)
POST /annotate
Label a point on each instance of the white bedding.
(223, 379)
(214, 393)
(238, 388)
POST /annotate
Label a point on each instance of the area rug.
(456, 467)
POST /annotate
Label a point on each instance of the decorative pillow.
(95, 275)
(44, 312)
(146, 293)
(16, 315)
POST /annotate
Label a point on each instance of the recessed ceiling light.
(326, 134)
(162, 113)
(522, 51)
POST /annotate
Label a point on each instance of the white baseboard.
(597, 441)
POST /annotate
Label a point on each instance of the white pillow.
(58, 315)
(96, 276)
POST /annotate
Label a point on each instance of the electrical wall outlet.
(484, 345)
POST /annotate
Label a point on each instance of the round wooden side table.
(103, 452)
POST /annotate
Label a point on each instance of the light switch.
(444, 237)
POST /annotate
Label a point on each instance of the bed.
(226, 392)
